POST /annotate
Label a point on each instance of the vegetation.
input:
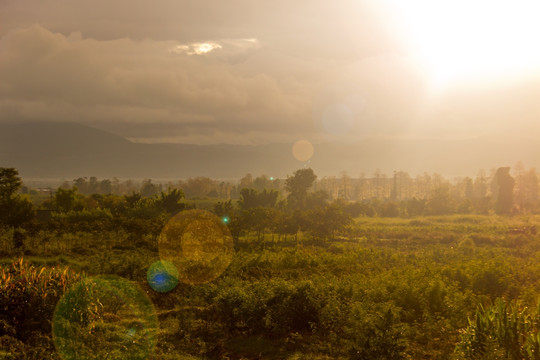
(310, 278)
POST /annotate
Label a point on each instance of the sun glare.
(470, 40)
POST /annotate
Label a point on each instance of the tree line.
(281, 207)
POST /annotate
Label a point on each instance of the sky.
(257, 72)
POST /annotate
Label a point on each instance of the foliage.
(68, 200)
(170, 201)
(10, 182)
(28, 296)
(104, 317)
(503, 187)
(325, 222)
(309, 279)
(297, 186)
(250, 198)
(223, 209)
(14, 209)
(504, 328)
(380, 340)
(440, 202)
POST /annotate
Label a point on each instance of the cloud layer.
(50, 76)
(245, 72)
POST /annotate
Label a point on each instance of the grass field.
(386, 288)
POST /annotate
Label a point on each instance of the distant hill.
(65, 150)
(68, 150)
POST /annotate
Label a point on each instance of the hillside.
(64, 150)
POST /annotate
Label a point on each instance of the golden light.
(203, 48)
(469, 40)
(195, 48)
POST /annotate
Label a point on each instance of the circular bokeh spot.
(104, 318)
(198, 243)
(302, 150)
(162, 276)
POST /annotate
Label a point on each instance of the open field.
(401, 287)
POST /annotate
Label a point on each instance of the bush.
(29, 295)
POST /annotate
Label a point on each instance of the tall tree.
(480, 185)
(199, 187)
(526, 190)
(502, 188)
(10, 182)
(148, 189)
(440, 201)
(298, 185)
(14, 209)
(262, 182)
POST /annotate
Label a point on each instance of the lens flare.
(162, 276)
(104, 318)
(198, 243)
(302, 150)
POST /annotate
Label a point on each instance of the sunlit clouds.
(225, 47)
(195, 49)
(124, 84)
(273, 72)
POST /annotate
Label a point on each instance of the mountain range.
(50, 150)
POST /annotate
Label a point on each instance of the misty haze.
(274, 180)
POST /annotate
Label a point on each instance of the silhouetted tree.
(148, 189)
(262, 182)
(316, 199)
(67, 200)
(415, 207)
(14, 209)
(526, 189)
(246, 182)
(105, 186)
(325, 222)
(10, 182)
(170, 201)
(223, 208)
(250, 198)
(199, 187)
(503, 189)
(389, 209)
(297, 186)
(440, 202)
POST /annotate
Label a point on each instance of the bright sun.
(470, 40)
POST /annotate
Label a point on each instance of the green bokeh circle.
(104, 318)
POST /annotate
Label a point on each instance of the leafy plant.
(502, 328)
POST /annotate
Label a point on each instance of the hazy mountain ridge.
(56, 150)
